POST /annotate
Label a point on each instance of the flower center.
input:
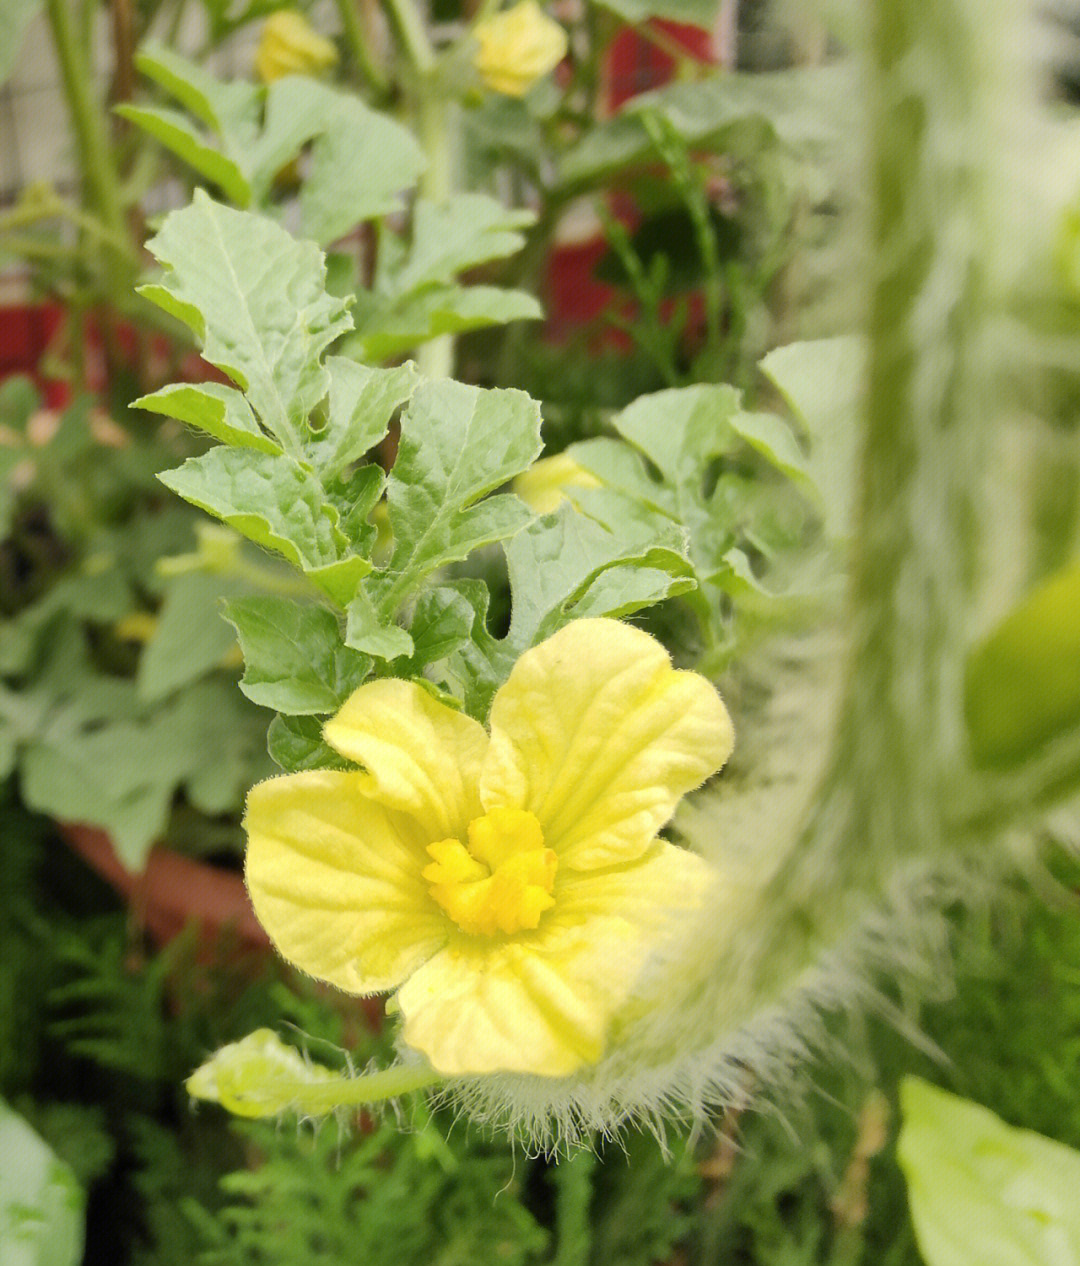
(502, 881)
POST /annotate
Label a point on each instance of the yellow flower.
(518, 47)
(290, 45)
(509, 885)
(542, 486)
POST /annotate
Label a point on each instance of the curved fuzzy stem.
(938, 79)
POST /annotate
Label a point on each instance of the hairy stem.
(934, 88)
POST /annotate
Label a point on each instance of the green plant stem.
(24, 214)
(387, 1083)
(435, 359)
(88, 122)
(408, 27)
(357, 39)
(938, 82)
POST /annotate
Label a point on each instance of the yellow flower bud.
(289, 45)
(518, 47)
(543, 486)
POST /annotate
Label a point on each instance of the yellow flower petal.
(335, 879)
(424, 757)
(542, 1003)
(599, 736)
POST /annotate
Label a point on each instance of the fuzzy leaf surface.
(220, 411)
(274, 501)
(361, 403)
(295, 658)
(258, 300)
(296, 743)
(458, 443)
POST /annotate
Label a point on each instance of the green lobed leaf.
(226, 742)
(450, 237)
(228, 107)
(566, 558)
(295, 658)
(42, 1206)
(275, 502)
(121, 778)
(1022, 684)
(361, 161)
(680, 431)
(387, 330)
(772, 437)
(457, 444)
(296, 744)
(179, 135)
(213, 407)
(258, 300)
(362, 401)
(983, 1193)
(374, 634)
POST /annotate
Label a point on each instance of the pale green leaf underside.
(823, 382)
(981, 1191)
(213, 407)
(42, 1206)
(387, 331)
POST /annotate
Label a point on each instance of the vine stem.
(435, 358)
(386, 1083)
(357, 39)
(88, 122)
(939, 80)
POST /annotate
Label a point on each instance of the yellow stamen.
(502, 881)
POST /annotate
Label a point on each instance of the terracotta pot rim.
(173, 890)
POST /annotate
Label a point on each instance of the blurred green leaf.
(191, 637)
(384, 331)
(736, 111)
(467, 230)
(15, 17)
(692, 12)
(42, 1207)
(1022, 685)
(983, 1193)
(177, 133)
(822, 383)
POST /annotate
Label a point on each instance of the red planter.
(173, 891)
